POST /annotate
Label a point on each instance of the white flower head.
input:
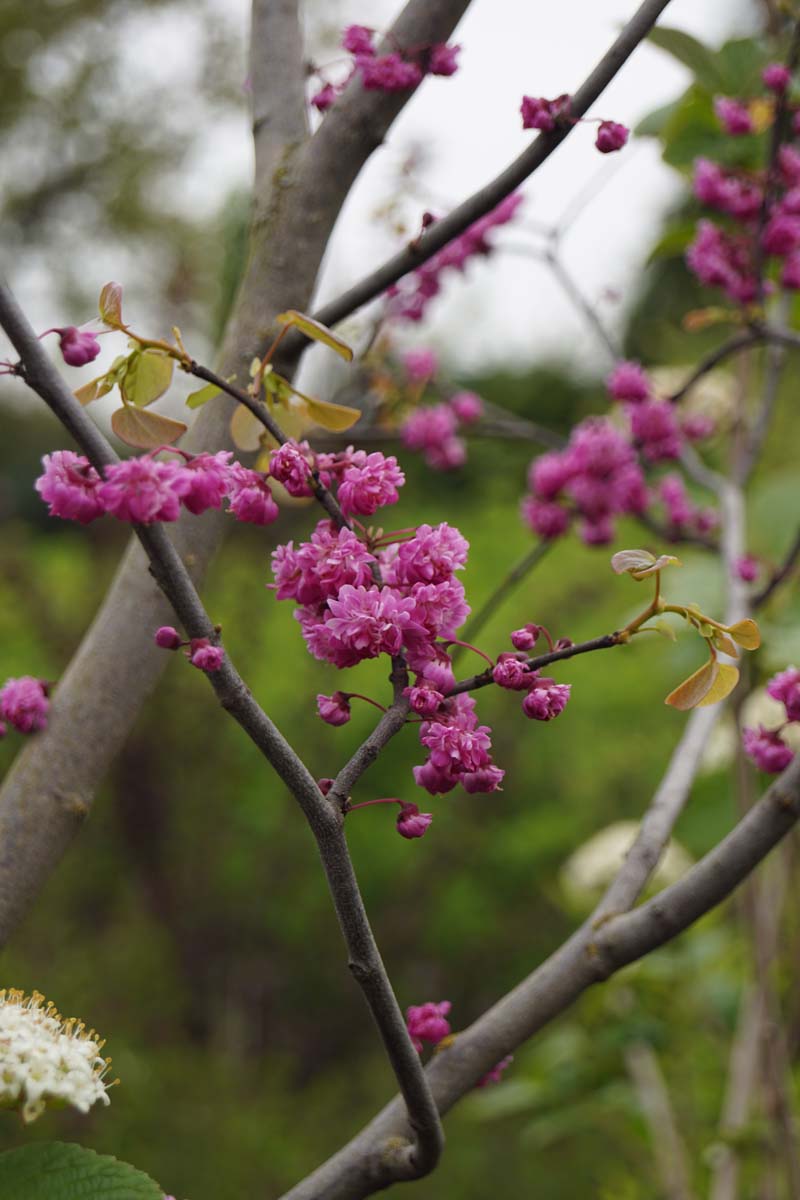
(45, 1059)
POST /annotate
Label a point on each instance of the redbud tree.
(364, 585)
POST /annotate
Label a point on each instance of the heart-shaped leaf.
(145, 430)
(336, 417)
(148, 376)
(246, 429)
(110, 305)
(641, 563)
(746, 634)
(201, 397)
(59, 1171)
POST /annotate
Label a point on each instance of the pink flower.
(467, 406)
(511, 672)
(69, 486)
(741, 198)
(719, 260)
(77, 348)
(357, 39)
(250, 498)
(143, 490)
(546, 700)
(766, 749)
(782, 234)
(366, 488)
(486, 779)
(697, 427)
(431, 556)
(424, 699)
(495, 1075)
(427, 428)
(24, 704)
(548, 520)
(335, 709)
(442, 60)
(655, 427)
(680, 510)
(207, 477)
(776, 77)
(420, 364)
(538, 113)
(412, 823)
(319, 569)
(747, 568)
(362, 623)
(733, 116)
(204, 656)
(440, 609)
(290, 464)
(427, 1022)
(388, 73)
(629, 382)
(527, 637)
(611, 136)
(786, 688)
(325, 98)
(168, 638)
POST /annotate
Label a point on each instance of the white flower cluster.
(45, 1059)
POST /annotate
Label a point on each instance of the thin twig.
(484, 679)
(669, 1148)
(483, 201)
(783, 572)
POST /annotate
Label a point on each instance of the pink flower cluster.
(434, 430)
(683, 516)
(595, 478)
(145, 489)
(397, 71)
(24, 704)
(428, 1023)
(766, 747)
(544, 699)
(411, 296)
(726, 258)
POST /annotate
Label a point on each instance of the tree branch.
(483, 201)
(29, 845)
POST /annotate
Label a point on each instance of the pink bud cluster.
(24, 704)
(428, 1023)
(683, 516)
(201, 652)
(544, 699)
(728, 258)
(546, 115)
(398, 71)
(411, 296)
(766, 747)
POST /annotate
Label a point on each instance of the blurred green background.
(190, 922)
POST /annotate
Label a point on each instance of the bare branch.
(669, 1148)
(484, 679)
(785, 570)
(483, 201)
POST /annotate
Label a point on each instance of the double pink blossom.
(24, 703)
(69, 486)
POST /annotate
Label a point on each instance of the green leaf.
(745, 633)
(654, 123)
(145, 430)
(701, 61)
(110, 305)
(246, 429)
(318, 333)
(148, 376)
(673, 243)
(201, 397)
(58, 1171)
(336, 417)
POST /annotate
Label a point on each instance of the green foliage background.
(191, 923)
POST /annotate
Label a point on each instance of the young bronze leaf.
(145, 430)
(725, 644)
(111, 305)
(319, 333)
(691, 692)
(723, 685)
(746, 634)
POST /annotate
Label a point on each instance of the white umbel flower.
(45, 1059)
